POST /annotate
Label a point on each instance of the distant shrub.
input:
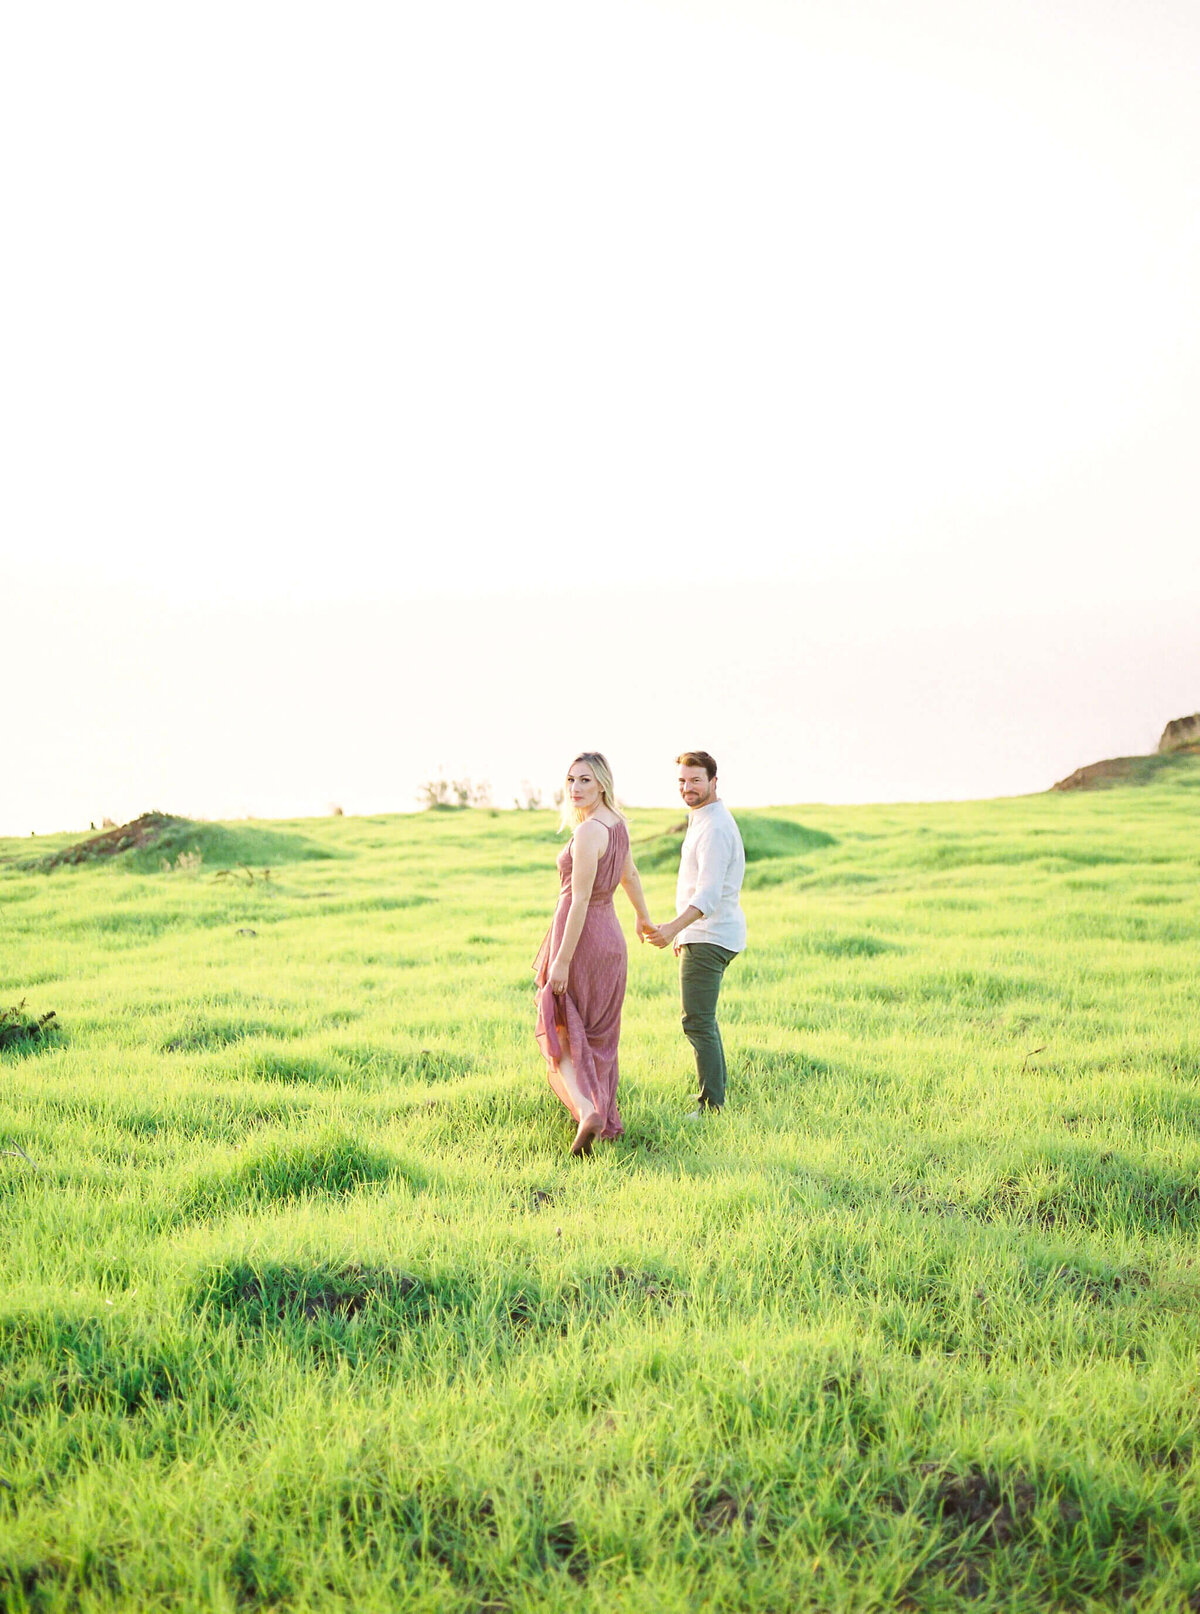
(442, 792)
(434, 793)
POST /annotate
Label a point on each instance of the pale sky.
(389, 388)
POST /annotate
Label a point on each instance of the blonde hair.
(602, 773)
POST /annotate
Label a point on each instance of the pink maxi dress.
(585, 1022)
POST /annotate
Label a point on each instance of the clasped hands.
(657, 935)
(559, 973)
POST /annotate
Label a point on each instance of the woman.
(581, 965)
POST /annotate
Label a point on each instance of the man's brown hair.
(698, 759)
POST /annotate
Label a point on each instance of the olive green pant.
(702, 967)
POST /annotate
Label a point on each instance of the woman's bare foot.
(589, 1131)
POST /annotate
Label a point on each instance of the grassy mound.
(157, 839)
(762, 838)
(1178, 767)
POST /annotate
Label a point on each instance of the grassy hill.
(305, 1306)
(1181, 767)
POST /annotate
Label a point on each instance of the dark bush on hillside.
(18, 1030)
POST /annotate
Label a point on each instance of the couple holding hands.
(580, 968)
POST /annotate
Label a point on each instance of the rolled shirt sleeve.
(712, 864)
(713, 852)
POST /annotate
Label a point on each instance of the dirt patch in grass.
(354, 1311)
(136, 836)
(282, 1292)
(983, 1514)
(1099, 1287)
(256, 1571)
(53, 1582)
(157, 841)
(991, 1509)
(1102, 1192)
(645, 1285)
(562, 1547)
(717, 1509)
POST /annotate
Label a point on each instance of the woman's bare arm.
(631, 885)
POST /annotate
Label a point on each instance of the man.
(709, 929)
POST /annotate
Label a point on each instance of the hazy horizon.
(286, 712)
(459, 387)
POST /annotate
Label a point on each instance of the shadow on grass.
(989, 1522)
(352, 1311)
(59, 1363)
(328, 1167)
(322, 1071)
(1100, 1191)
(1065, 1190)
(357, 1065)
(31, 1583)
(842, 944)
(217, 1116)
(197, 1035)
(406, 1065)
(444, 1528)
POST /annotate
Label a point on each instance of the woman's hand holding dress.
(581, 971)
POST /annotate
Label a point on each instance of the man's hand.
(664, 935)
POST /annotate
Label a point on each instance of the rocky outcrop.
(1180, 733)
(1096, 775)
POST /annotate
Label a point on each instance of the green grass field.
(305, 1306)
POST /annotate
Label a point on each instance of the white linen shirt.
(712, 865)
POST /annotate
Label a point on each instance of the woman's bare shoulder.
(593, 832)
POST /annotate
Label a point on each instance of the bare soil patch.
(1124, 770)
(139, 835)
(281, 1292)
(718, 1510)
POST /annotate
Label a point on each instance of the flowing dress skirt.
(585, 1022)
